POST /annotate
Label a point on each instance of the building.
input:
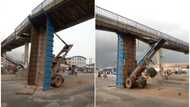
(90, 68)
(79, 61)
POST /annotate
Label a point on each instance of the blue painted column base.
(48, 55)
(120, 61)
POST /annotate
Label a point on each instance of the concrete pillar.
(126, 58)
(33, 56)
(130, 55)
(120, 61)
(26, 52)
(41, 55)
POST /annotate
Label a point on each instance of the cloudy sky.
(82, 36)
(169, 16)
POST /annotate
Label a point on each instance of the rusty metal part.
(141, 82)
(135, 78)
(130, 82)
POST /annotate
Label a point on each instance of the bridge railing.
(46, 4)
(127, 21)
(41, 6)
(26, 21)
(22, 25)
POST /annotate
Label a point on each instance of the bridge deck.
(107, 20)
(64, 13)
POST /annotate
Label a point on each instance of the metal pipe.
(60, 39)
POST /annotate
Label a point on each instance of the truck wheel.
(151, 72)
(129, 83)
(19, 68)
(141, 82)
(57, 81)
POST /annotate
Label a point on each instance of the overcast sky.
(168, 16)
(106, 51)
(82, 36)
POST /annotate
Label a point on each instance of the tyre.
(141, 82)
(57, 81)
(129, 83)
(151, 72)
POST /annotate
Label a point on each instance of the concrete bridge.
(47, 18)
(54, 15)
(63, 13)
(128, 31)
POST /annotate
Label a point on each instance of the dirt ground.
(77, 91)
(158, 93)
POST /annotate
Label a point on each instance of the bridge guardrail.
(42, 5)
(22, 25)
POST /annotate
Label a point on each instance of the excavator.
(57, 70)
(142, 72)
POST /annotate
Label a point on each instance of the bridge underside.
(38, 28)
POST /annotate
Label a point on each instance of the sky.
(168, 16)
(106, 51)
(82, 36)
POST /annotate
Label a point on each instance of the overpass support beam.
(41, 55)
(120, 61)
(26, 52)
(126, 58)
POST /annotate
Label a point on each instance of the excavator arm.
(65, 49)
(57, 71)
